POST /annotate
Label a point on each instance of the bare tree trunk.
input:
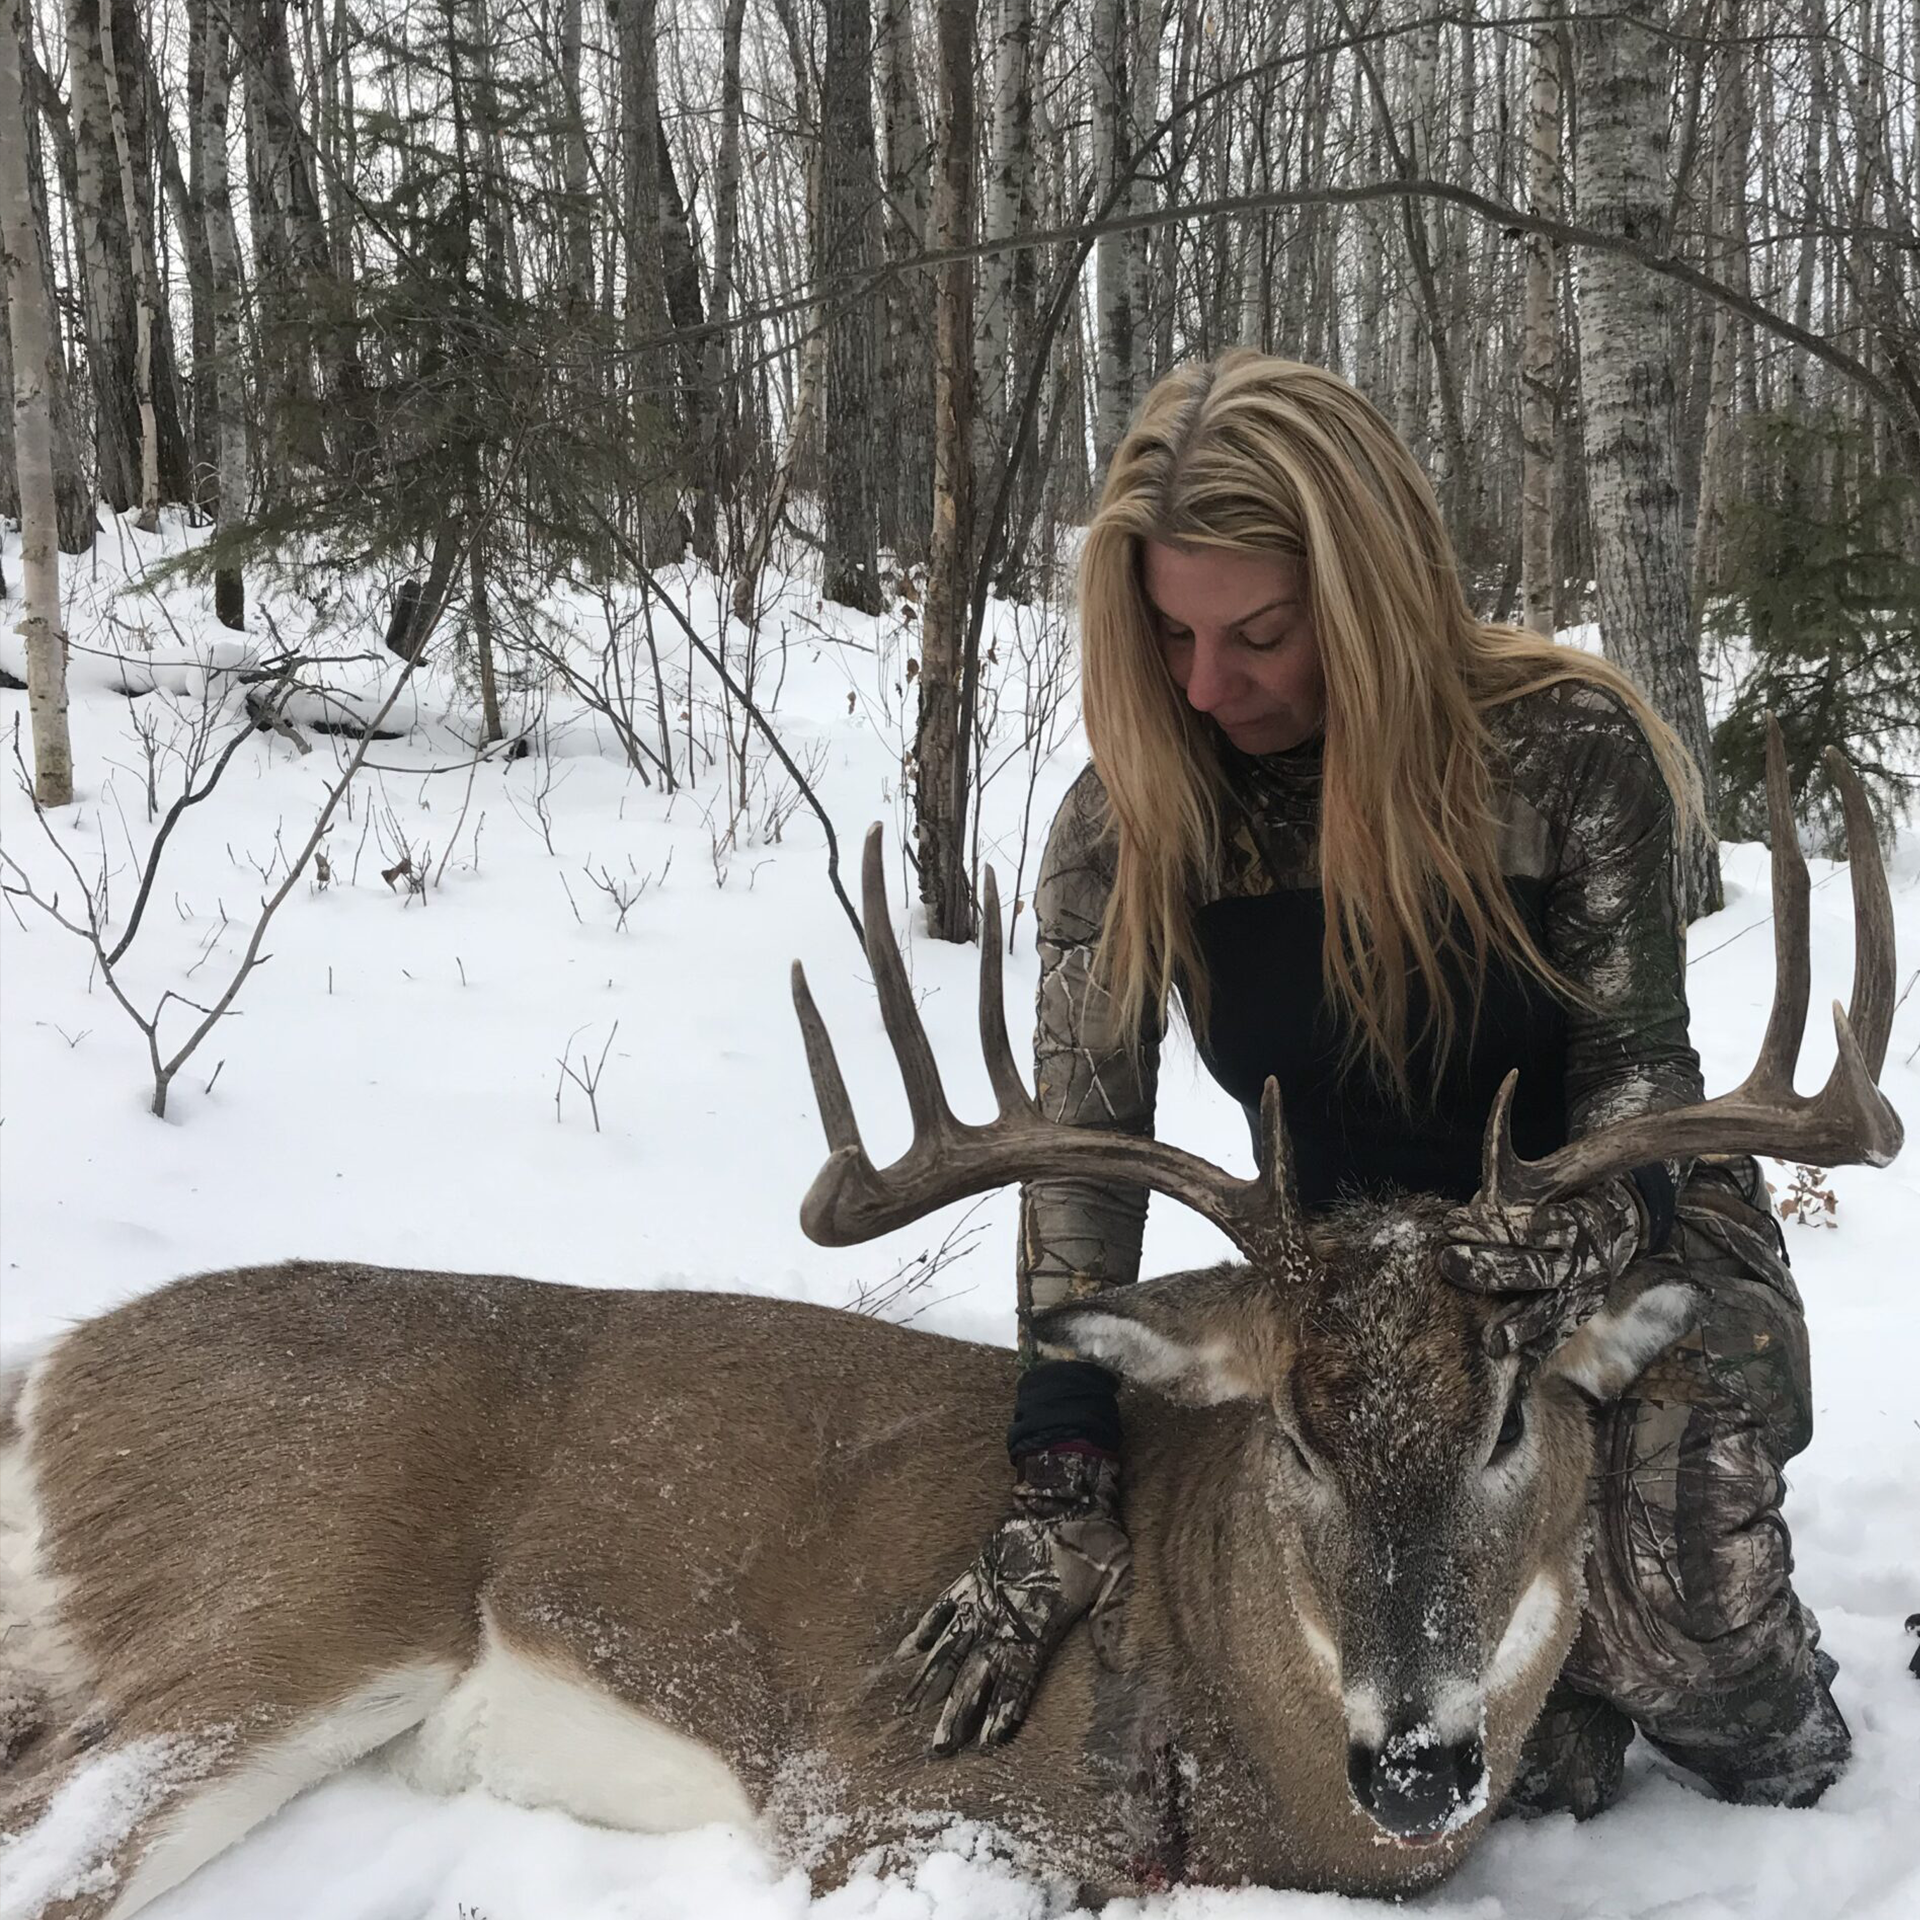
(145, 285)
(73, 476)
(650, 368)
(720, 468)
(300, 351)
(1626, 376)
(575, 172)
(105, 259)
(849, 228)
(30, 335)
(187, 196)
(1008, 210)
(1142, 26)
(228, 365)
(907, 370)
(481, 610)
(686, 311)
(1539, 367)
(941, 758)
(1726, 258)
(1114, 317)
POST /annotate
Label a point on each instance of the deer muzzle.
(1416, 1786)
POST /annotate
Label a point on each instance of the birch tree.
(1627, 385)
(1008, 210)
(30, 335)
(105, 251)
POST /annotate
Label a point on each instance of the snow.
(386, 1092)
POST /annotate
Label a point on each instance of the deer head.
(1426, 1494)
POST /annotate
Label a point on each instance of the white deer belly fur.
(540, 1735)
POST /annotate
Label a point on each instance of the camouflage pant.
(1693, 1631)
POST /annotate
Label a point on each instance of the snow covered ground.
(386, 1092)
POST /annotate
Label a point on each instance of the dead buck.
(643, 1556)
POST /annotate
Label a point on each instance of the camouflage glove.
(1560, 1258)
(985, 1641)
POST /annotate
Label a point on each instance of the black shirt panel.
(1270, 1015)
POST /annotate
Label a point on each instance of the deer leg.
(121, 1823)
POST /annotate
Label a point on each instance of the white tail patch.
(211, 1818)
(543, 1735)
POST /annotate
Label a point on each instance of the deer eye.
(1511, 1428)
(1299, 1456)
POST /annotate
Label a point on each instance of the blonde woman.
(1386, 851)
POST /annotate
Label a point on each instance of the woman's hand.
(984, 1643)
(1560, 1256)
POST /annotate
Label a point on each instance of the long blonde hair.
(1252, 454)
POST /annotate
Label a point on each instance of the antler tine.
(1276, 1164)
(926, 1098)
(829, 1087)
(850, 1200)
(1792, 962)
(1848, 1122)
(1504, 1176)
(1870, 1013)
(1008, 1088)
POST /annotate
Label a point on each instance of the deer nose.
(1417, 1787)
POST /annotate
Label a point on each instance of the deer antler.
(851, 1200)
(1848, 1122)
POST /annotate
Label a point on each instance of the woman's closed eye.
(1254, 643)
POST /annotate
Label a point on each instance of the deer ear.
(1199, 1338)
(1614, 1348)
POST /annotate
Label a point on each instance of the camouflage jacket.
(1586, 841)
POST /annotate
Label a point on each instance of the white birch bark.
(1626, 375)
(1008, 202)
(30, 334)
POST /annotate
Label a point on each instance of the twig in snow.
(588, 1077)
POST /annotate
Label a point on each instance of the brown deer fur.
(262, 1493)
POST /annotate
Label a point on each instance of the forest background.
(480, 294)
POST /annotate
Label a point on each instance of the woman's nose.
(1208, 676)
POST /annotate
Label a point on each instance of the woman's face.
(1238, 639)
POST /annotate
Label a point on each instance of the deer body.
(647, 1556)
(480, 1518)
